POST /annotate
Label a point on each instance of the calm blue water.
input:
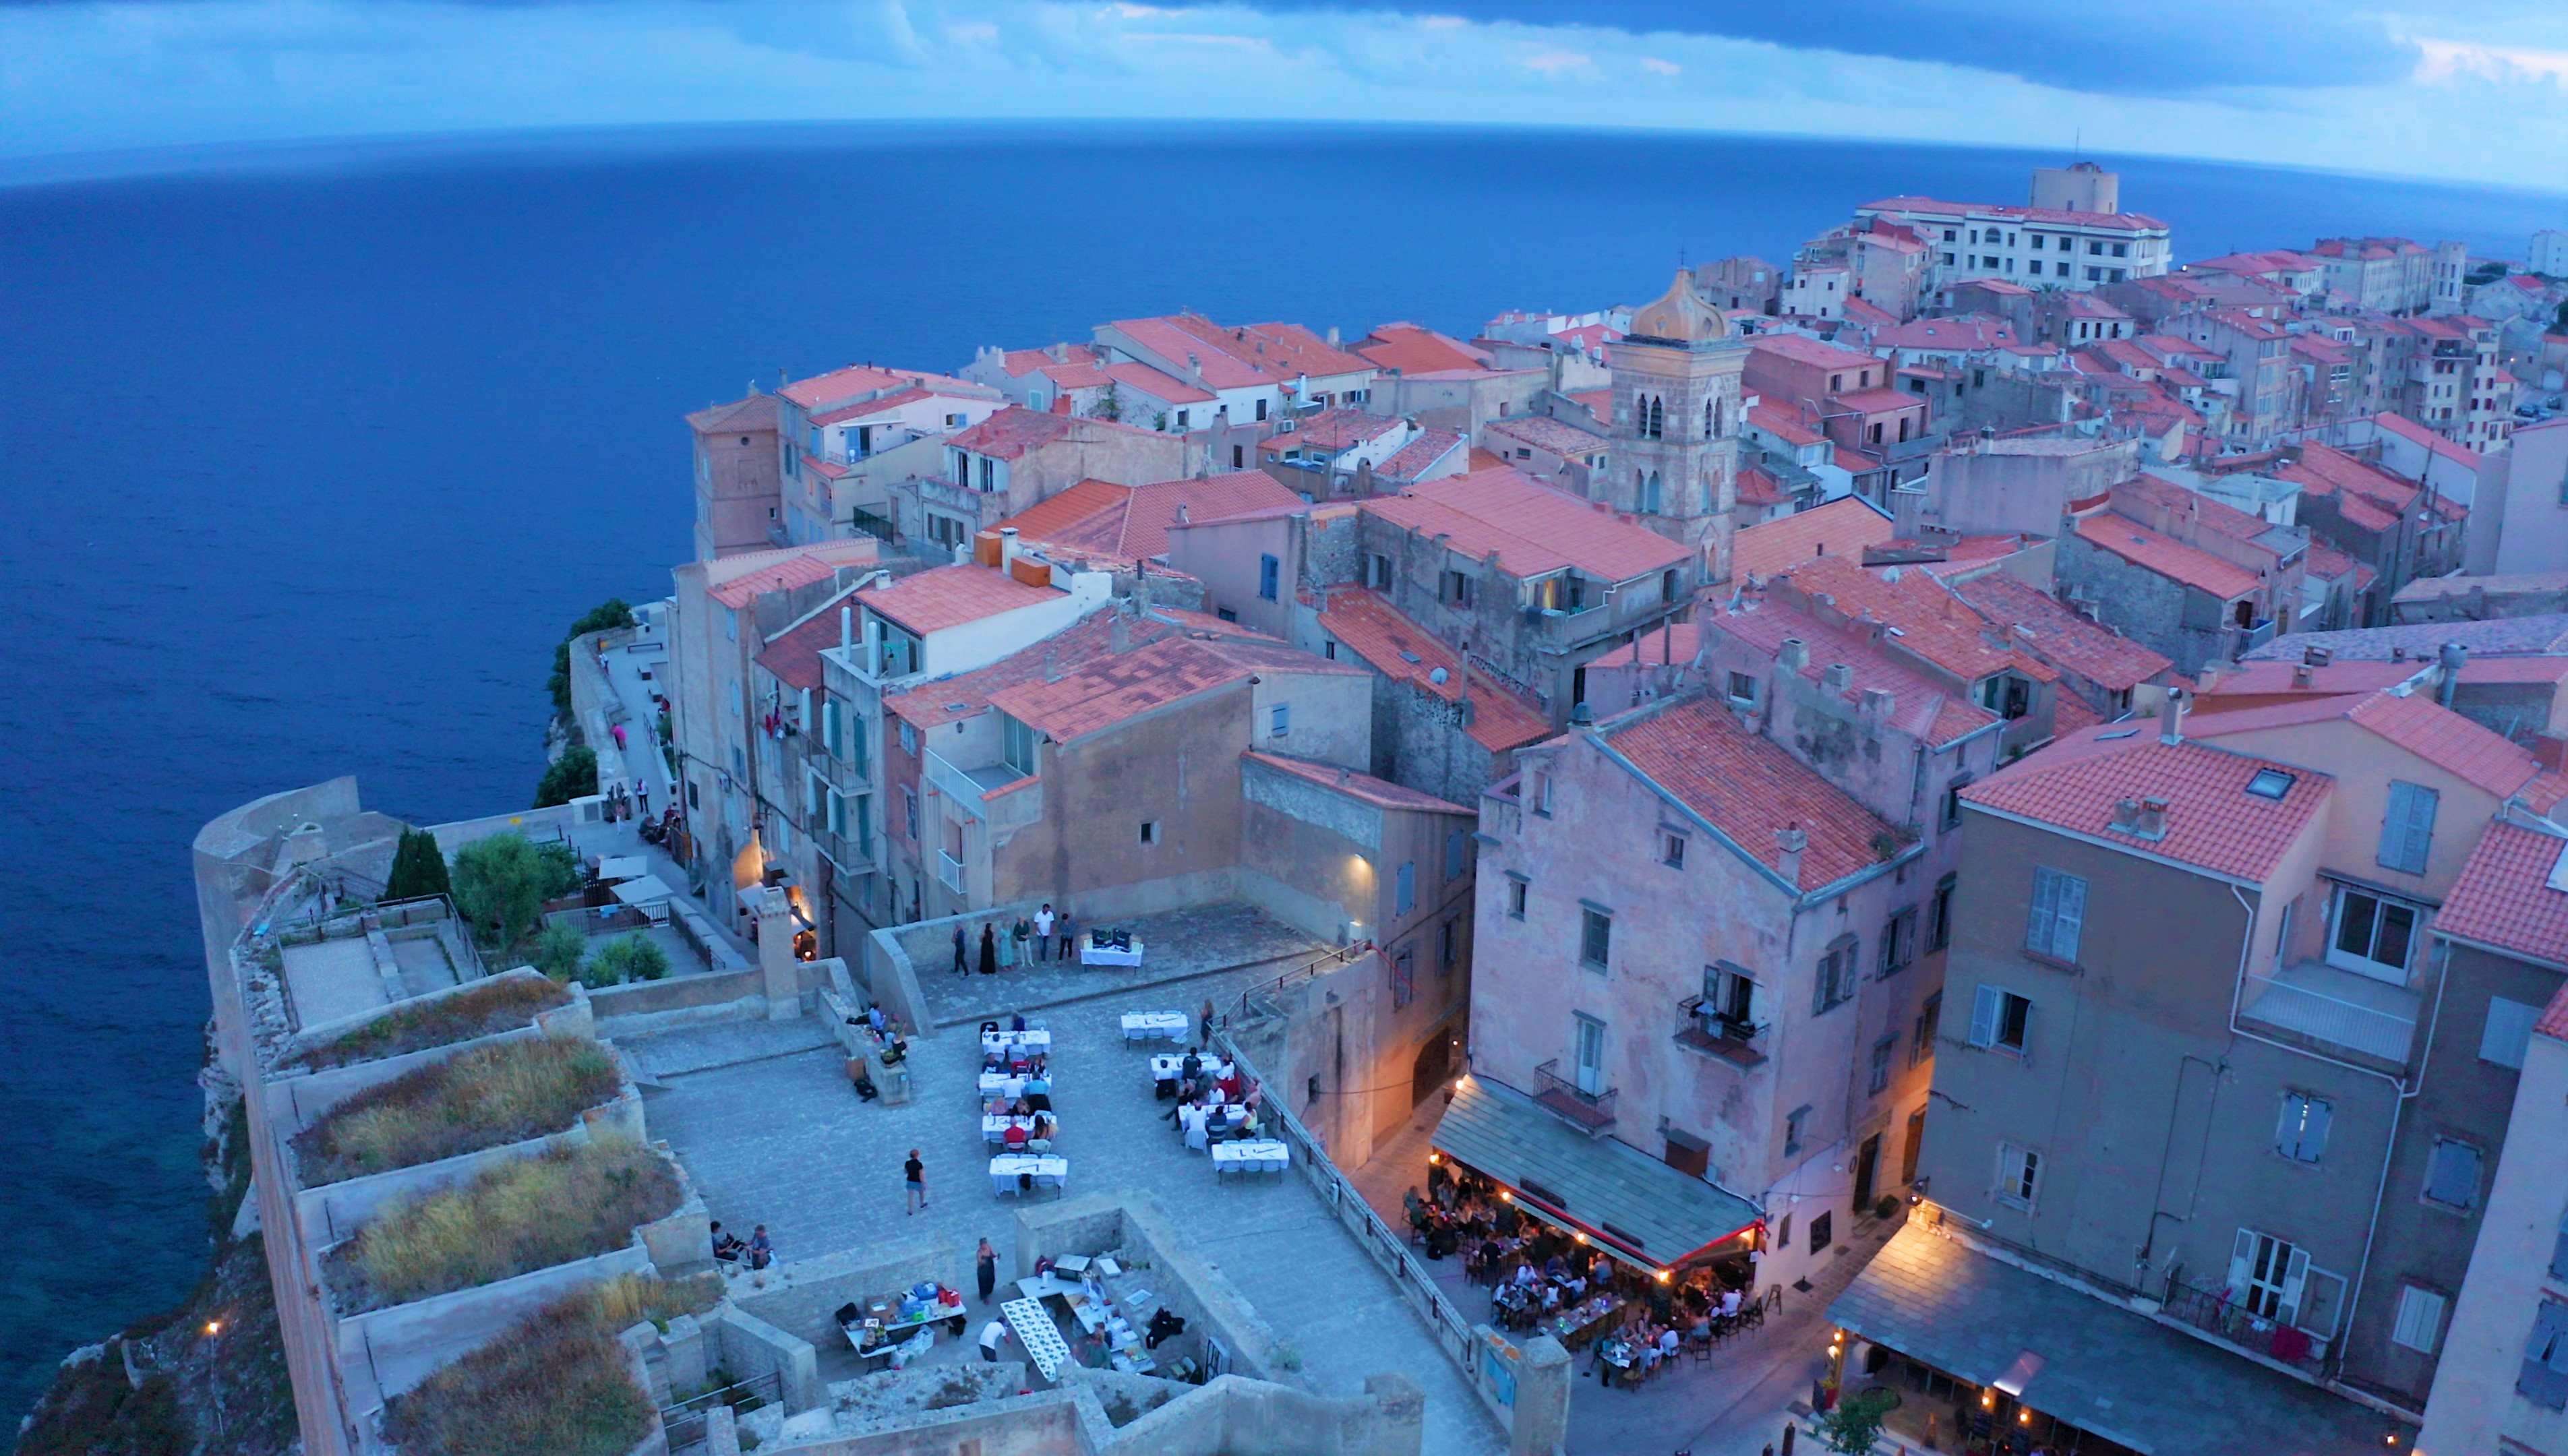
(307, 465)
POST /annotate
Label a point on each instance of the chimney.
(2301, 675)
(1582, 715)
(1877, 702)
(1118, 634)
(1790, 841)
(1183, 515)
(1007, 547)
(2316, 657)
(1792, 656)
(846, 626)
(2454, 658)
(1333, 336)
(2398, 653)
(1051, 662)
(2550, 750)
(2171, 718)
(2142, 818)
(873, 648)
(1838, 678)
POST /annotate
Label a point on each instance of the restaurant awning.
(1631, 1203)
(2087, 1361)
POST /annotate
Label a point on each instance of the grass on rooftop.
(486, 1097)
(556, 1382)
(500, 1004)
(522, 1215)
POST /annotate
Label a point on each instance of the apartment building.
(1255, 372)
(2519, 518)
(2398, 529)
(1017, 458)
(2076, 248)
(847, 434)
(2257, 352)
(2390, 275)
(739, 470)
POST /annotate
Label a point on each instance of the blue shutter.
(1453, 860)
(2040, 911)
(1407, 891)
(2408, 829)
(1268, 571)
(2069, 916)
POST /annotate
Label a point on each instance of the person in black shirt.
(915, 1172)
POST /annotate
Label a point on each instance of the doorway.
(1868, 1165)
(1908, 1150)
(1435, 1063)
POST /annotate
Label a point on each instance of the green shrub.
(500, 1004)
(572, 775)
(556, 1382)
(503, 882)
(486, 1097)
(634, 957)
(517, 1217)
(611, 613)
(557, 950)
(419, 868)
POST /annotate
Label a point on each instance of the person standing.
(915, 1174)
(989, 951)
(1043, 932)
(985, 1263)
(962, 967)
(1012, 947)
(993, 1335)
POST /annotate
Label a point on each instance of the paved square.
(783, 1141)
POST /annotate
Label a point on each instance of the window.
(1823, 1230)
(1672, 849)
(1279, 720)
(1378, 572)
(1456, 588)
(1183, 423)
(1457, 854)
(1269, 573)
(1796, 1126)
(1999, 1019)
(2544, 1378)
(1449, 947)
(1239, 452)
(2453, 1174)
(2056, 915)
(2019, 1175)
(1149, 831)
(910, 809)
(1017, 745)
(2420, 1318)
(1591, 1054)
(2302, 1131)
(2094, 250)
(1898, 942)
(2372, 936)
(1743, 687)
(908, 737)
(2408, 829)
(1729, 997)
(2509, 1032)
(1879, 1081)
(1939, 913)
(1261, 408)
(1517, 885)
(1921, 1038)
(1405, 892)
(1595, 936)
(2269, 783)
(1783, 1232)
(2266, 1275)
(1404, 979)
(1836, 976)
(1228, 615)
(2121, 250)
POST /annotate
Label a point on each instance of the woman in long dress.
(989, 952)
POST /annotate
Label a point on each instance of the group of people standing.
(1027, 939)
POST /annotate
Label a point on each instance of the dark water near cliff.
(306, 463)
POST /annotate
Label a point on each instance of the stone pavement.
(783, 1141)
(1178, 948)
(725, 1043)
(1734, 1405)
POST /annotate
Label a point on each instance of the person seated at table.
(1164, 1325)
(1728, 1302)
(1550, 1298)
(1229, 1084)
(1669, 1339)
(1555, 1267)
(1092, 1349)
(1254, 1096)
(1014, 1136)
(727, 1247)
(1017, 1022)
(1038, 1139)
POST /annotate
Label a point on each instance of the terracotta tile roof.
(2070, 713)
(1412, 350)
(1333, 430)
(2326, 562)
(2498, 637)
(2060, 636)
(1801, 349)
(2505, 897)
(1841, 527)
(749, 415)
(1749, 788)
(2167, 496)
(2363, 494)
(1240, 357)
(1067, 508)
(2411, 722)
(1556, 435)
(1381, 792)
(1111, 690)
(826, 469)
(1366, 624)
(1418, 456)
(2516, 669)
(1533, 527)
(949, 596)
(901, 399)
(1599, 403)
(1784, 424)
(2166, 555)
(1879, 402)
(1128, 524)
(1965, 331)
(1021, 362)
(2266, 679)
(1916, 611)
(793, 656)
(2212, 821)
(1010, 432)
(1859, 310)
(1156, 384)
(1757, 487)
(1920, 706)
(737, 581)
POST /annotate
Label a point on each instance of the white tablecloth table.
(1000, 1084)
(1169, 1066)
(1144, 1025)
(1249, 1157)
(994, 1126)
(1000, 1041)
(1090, 954)
(1050, 1170)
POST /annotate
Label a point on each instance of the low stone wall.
(1047, 1423)
(746, 1346)
(1185, 1283)
(333, 1211)
(1233, 1417)
(541, 826)
(615, 1005)
(393, 1349)
(801, 1296)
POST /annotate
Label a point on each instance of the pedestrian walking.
(993, 1335)
(962, 965)
(989, 951)
(1043, 932)
(914, 1173)
(1069, 935)
(1203, 1023)
(986, 1268)
(642, 796)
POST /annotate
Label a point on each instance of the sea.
(308, 456)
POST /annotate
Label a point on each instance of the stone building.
(1016, 459)
(1677, 423)
(738, 473)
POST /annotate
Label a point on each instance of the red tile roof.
(949, 596)
(737, 581)
(2263, 679)
(1333, 430)
(2174, 499)
(1918, 613)
(1784, 424)
(1750, 789)
(2070, 713)
(2417, 724)
(1556, 435)
(1379, 791)
(1801, 349)
(793, 655)
(1966, 331)
(2505, 897)
(1756, 486)
(1068, 508)
(1107, 691)
(1419, 455)
(1128, 524)
(1412, 350)
(1879, 402)
(1841, 527)
(1366, 624)
(2060, 636)
(1156, 384)
(2212, 821)
(749, 415)
(2166, 556)
(1919, 706)
(2363, 494)
(1533, 527)
(1010, 432)
(1022, 361)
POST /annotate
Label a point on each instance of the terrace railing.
(685, 1421)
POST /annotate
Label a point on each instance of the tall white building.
(2549, 253)
(2077, 247)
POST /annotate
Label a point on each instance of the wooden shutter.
(2069, 915)
(2408, 829)
(2041, 911)
(2314, 1129)
(2242, 1252)
(1985, 1009)
(2544, 1378)
(2286, 1126)
(2296, 1272)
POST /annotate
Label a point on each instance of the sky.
(2473, 91)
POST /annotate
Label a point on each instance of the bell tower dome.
(1676, 425)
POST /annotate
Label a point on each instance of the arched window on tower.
(1711, 417)
(1657, 418)
(1650, 494)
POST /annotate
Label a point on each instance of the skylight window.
(2271, 784)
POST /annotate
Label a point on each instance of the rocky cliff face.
(203, 1378)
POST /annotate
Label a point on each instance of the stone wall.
(2145, 607)
(802, 1297)
(1138, 1230)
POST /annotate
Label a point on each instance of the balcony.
(1591, 1111)
(846, 854)
(1728, 1038)
(949, 872)
(2322, 1003)
(965, 786)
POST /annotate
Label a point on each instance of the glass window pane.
(2354, 925)
(2398, 923)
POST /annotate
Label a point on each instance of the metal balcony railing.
(1727, 1037)
(949, 871)
(1591, 1110)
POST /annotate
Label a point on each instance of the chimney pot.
(1838, 678)
(1790, 841)
(2453, 658)
(2171, 718)
(1794, 655)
